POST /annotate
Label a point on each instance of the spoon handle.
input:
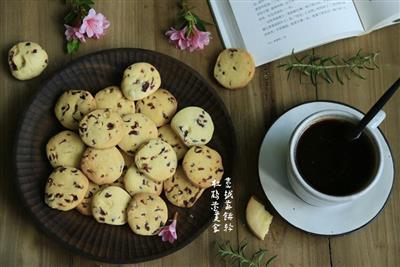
(376, 108)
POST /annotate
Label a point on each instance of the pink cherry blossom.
(73, 33)
(195, 40)
(168, 232)
(178, 38)
(94, 24)
(198, 39)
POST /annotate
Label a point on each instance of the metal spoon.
(357, 131)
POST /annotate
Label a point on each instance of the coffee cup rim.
(304, 125)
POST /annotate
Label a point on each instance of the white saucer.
(333, 220)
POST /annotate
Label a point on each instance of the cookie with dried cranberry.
(102, 166)
(128, 161)
(27, 60)
(234, 68)
(160, 107)
(140, 80)
(85, 207)
(136, 182)
(139, 129)
(202, 166)
(112, 98)
(168, 135)
(109, 205)
(65, 149)
(65, 188)
(193, 125)
(101, 128)
(72, 105)
(147, 213)
(180, 191)
(156, 159)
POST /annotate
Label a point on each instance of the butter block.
(258, 219)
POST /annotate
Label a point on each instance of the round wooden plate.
(82, 234)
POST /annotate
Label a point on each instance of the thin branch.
(228, 253)
(330, 66)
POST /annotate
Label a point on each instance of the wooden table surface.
(141, 23)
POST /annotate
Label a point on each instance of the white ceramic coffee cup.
(301, 187)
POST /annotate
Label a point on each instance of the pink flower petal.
(168, 232)
(198, 40)
(73, 33)
(89, 32)
(93, 25)
(91, 13)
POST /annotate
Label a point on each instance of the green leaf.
(199, 23)
(327, 76)
(188, 17)
(290, 72)
(69, 19)
(259, 256)
(270, 260)
(73, 46)
(313, 77)
(85, 2)
(87, 6)
(338, 77)
(180, 24)
(357, 74)
(75, 3)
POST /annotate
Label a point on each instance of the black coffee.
(332, 164)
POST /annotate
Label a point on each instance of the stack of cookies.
(122, 149)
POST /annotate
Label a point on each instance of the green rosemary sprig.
(326, 67)
(227, 252)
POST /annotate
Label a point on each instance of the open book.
(271, 29)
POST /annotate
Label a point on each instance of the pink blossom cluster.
(93, 26)
(192, 41)
(168, 232)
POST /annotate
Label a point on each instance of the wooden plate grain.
(82, 234)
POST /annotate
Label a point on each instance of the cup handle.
(377, 120)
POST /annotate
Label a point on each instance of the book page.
(272, 29)
(375, 14)
(227, 25)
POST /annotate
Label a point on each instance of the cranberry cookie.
(147, 213)
(101, 129)
(112, 98)
(202, 166)
(109, 205)
(139, 129)
(65, 188)
(156, 159)
(72, 106)
(65, 149)
(193, 125)
(27, 60)
(140, 80)
(102, 166)
(166, 134)
(234, 69)
(180, 191)
(160, 107)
